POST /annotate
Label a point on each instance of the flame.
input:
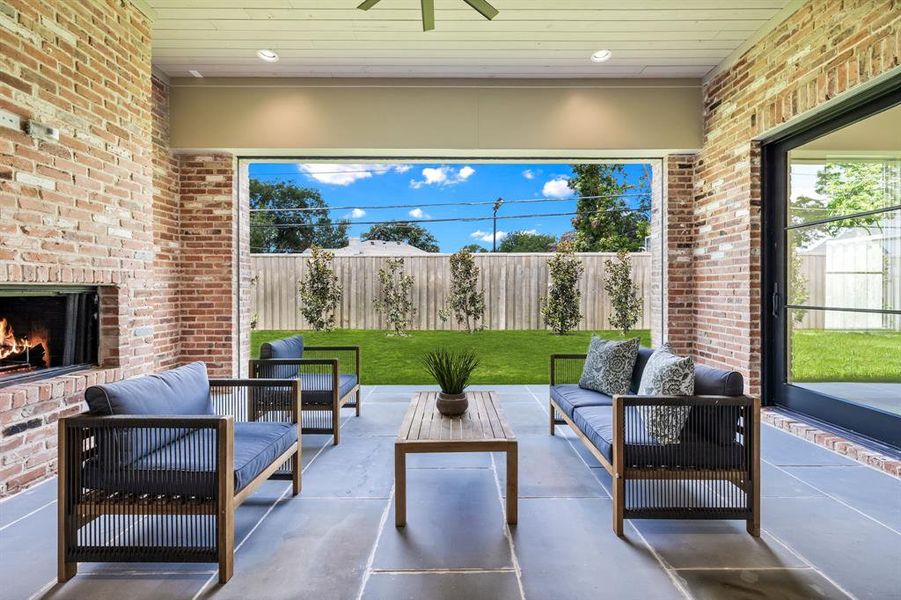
(10, 344)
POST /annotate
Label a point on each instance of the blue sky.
(420, 185)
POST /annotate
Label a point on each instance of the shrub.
(625, 295)
(395, 301)
(560, 308)
(467, 301)
(320, 292)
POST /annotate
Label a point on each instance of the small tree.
(320, 292)
(395, 300)
(625, 295)
(560, 308)
(467, 301)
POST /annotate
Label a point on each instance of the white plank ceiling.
(529, 38)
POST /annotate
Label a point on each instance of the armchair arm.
(566, 368)
(349, 357)
(257, 399)
(129, 454)
(727, 422)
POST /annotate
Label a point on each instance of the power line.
(435, 204)
(408, 223)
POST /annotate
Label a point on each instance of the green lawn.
(820, 355)
(511, 357)
(508, 357)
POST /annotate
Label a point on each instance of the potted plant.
(452, 371)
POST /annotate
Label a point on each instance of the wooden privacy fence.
(513, 283)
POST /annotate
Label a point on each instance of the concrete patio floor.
(831, 528)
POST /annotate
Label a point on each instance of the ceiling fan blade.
(367, 4)
(428, 15)
(485, 9)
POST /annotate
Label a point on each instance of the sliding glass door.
(832, 270)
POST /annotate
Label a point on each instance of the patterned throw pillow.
(608, 368)
(666, 375)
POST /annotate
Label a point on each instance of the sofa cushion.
(181, 391)
(609, 365)
(316, 388)
(716, 425)
(569, 396)
(641, 360)
(666, 374)
(642, 450)
(289, 347)
(187, 466)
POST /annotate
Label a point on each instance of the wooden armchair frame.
(94, 522)
(322, 365)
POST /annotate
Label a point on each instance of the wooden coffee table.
(482, 428)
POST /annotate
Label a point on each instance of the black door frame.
(869, 422)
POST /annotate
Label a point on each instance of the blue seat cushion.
(642, 450)
(289, 347)
(570, 396)
(187, 466)
(181, 391)
(316, 388)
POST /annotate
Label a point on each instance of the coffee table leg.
(400, 486)
(512, 484)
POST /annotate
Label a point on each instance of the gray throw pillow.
(666, 375)
(608, 368)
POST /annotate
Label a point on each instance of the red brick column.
(208, 296)
(679, 232)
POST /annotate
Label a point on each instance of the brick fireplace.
(108, 209)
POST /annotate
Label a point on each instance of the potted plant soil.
(452, 371)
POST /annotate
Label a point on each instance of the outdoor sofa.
(329, 379)
(154, 471)
(711, 472)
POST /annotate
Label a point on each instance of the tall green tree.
(624, 294)
(467, 300)
(320, 291)
(291, 227)
(473, 248)
(608, 220)
(403, 231)
(527, 241)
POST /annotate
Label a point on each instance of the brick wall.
(76, 211)
(208, 270)
(109, 205)
(678, 180)
(166, 234)
(825, 48)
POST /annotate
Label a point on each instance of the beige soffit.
(539, 39)
(145, 7)
(487, 118)
(787, 11)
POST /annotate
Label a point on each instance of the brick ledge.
(831, 441)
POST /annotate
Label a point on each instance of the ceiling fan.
(428, 10)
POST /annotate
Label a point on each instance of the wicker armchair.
(162, 486)
(329, 379)
(711, 472)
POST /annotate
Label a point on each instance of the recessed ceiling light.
(195, 73)
(267, 55)
(601, 56)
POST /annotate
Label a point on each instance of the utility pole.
(497, 205)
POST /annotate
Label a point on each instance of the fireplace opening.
(46, 331)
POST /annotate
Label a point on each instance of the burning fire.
(17, 348)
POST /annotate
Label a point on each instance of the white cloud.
(346, 174)
(418, 213)
(557, 187)
(356, 213)
(529, 174)
(442, 176)
(485, 236)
